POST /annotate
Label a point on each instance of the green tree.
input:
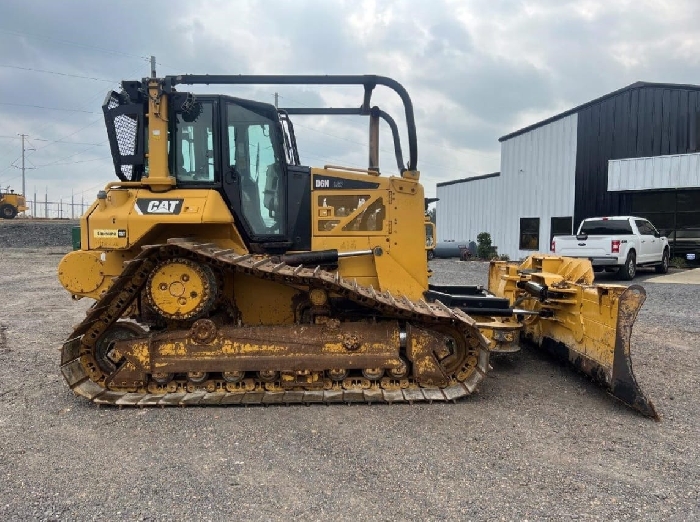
(484, 248)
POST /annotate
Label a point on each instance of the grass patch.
(678, 262)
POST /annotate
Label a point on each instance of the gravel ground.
(537, 442)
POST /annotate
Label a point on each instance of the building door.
(560, 226)
(675, 214)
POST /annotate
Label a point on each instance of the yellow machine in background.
(430, 231)
(225, 272)
(430, 238)
(11, 204)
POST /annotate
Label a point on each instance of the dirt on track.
(537, 442)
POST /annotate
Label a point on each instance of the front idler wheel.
(119, 331)
(454, 352)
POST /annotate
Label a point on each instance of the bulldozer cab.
(245, 150)
(242, 155)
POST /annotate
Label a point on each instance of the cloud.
(476, 69)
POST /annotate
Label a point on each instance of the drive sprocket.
(181, 288)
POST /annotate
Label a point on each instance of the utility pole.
(277, 100)
(23, 182)
(24, 167)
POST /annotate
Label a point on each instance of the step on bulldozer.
(226, 272)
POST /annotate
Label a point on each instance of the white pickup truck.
(620, 243)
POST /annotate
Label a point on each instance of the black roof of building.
(636, 85)
(464, 180)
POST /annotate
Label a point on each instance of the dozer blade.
(593, 359)
(588, 325)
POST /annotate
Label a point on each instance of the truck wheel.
(7, 211)
(663, 267)
(627, 271)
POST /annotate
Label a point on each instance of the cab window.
(252, 156)
(194, 146)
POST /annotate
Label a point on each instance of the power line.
(7, 153)
(75, 44)
(58, 162)
(100, 185)
(71, 134)
(97, 95)
(49, 143)
(69, 142)
(58, 73)
(10, 165)
(88, 103)
(43, 107)
(92, 145)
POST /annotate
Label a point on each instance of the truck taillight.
(553, 245)
(615, 246)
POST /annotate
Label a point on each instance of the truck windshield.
(605, 227)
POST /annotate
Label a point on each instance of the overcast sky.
(475, 69)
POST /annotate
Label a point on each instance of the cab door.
(254, 173)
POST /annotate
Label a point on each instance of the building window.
(529, 233)
(561, 226)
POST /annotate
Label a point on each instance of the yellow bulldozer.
(11, 204)
(226, 272)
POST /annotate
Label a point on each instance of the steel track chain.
(80, 370)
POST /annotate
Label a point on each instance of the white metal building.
(602, 158)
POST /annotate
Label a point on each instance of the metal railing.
(67, 208)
